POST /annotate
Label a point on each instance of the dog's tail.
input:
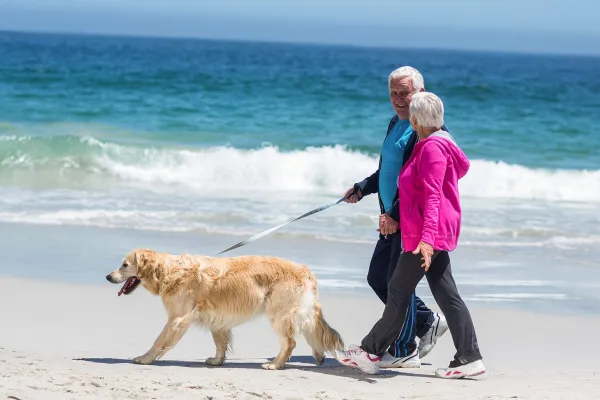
(320, 336)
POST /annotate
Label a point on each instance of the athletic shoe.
(429, 340)
(410, 361)
(456, 370)
(355, 357)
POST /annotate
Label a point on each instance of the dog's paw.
(271, 365)
(215, 362)
(142, 360)
(319, 358)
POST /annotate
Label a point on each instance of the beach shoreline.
(515, 280)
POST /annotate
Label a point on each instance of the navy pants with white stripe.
(400, 294)
(418, 317)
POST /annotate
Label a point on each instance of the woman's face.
(413, 123)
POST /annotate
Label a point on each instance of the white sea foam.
(489, 179)
(326, 170)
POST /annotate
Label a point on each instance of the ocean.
(217, 137)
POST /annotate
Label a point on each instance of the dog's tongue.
(124, 286)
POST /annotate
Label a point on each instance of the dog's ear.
(143, 259)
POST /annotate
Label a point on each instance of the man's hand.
(426, 251)
(387, 225)
(354, 198)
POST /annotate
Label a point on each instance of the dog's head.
(132, 270)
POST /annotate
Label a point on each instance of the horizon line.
(297, 43)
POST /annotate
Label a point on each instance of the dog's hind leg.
(222, 339)
(319, 335)
(284, 328)
(168, 338)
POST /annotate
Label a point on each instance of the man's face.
(401, 91)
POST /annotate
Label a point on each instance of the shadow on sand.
(303, 363)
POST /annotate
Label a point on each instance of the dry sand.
(63, 341)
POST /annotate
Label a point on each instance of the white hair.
(408, 72)
(427, 109)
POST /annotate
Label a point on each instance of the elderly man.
(397, 147)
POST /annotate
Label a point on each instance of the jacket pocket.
(413, 204)
(415, 217)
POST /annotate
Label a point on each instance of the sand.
(68, 341)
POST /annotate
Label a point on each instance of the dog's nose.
(108, 277)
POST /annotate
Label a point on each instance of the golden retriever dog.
(219, 293)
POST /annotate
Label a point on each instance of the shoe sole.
(353, 365)
(462, 376)
(475, 374)
(403, 365)
(470, 374)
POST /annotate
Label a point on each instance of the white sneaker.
(455, 370)
(410, 361)
(429, 340)
(355, 357)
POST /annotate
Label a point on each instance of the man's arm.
(394, 211)
(370, 184)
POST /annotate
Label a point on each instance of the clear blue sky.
(521, 25)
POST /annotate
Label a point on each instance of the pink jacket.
(428, 193)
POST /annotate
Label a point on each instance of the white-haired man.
(397, 146)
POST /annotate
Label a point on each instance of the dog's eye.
(124, 265)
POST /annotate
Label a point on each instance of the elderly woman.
(430, 216)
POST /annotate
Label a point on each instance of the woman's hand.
(426, 251)
(387, 225)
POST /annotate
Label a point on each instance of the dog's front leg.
(168, 338)
(222, 339)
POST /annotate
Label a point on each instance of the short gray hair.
(408, 72)
(427, 109)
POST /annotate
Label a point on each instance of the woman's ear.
(413, 122)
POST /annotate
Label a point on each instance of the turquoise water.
(211, 136)
(536, 111)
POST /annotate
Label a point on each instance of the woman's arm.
(432, 165)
